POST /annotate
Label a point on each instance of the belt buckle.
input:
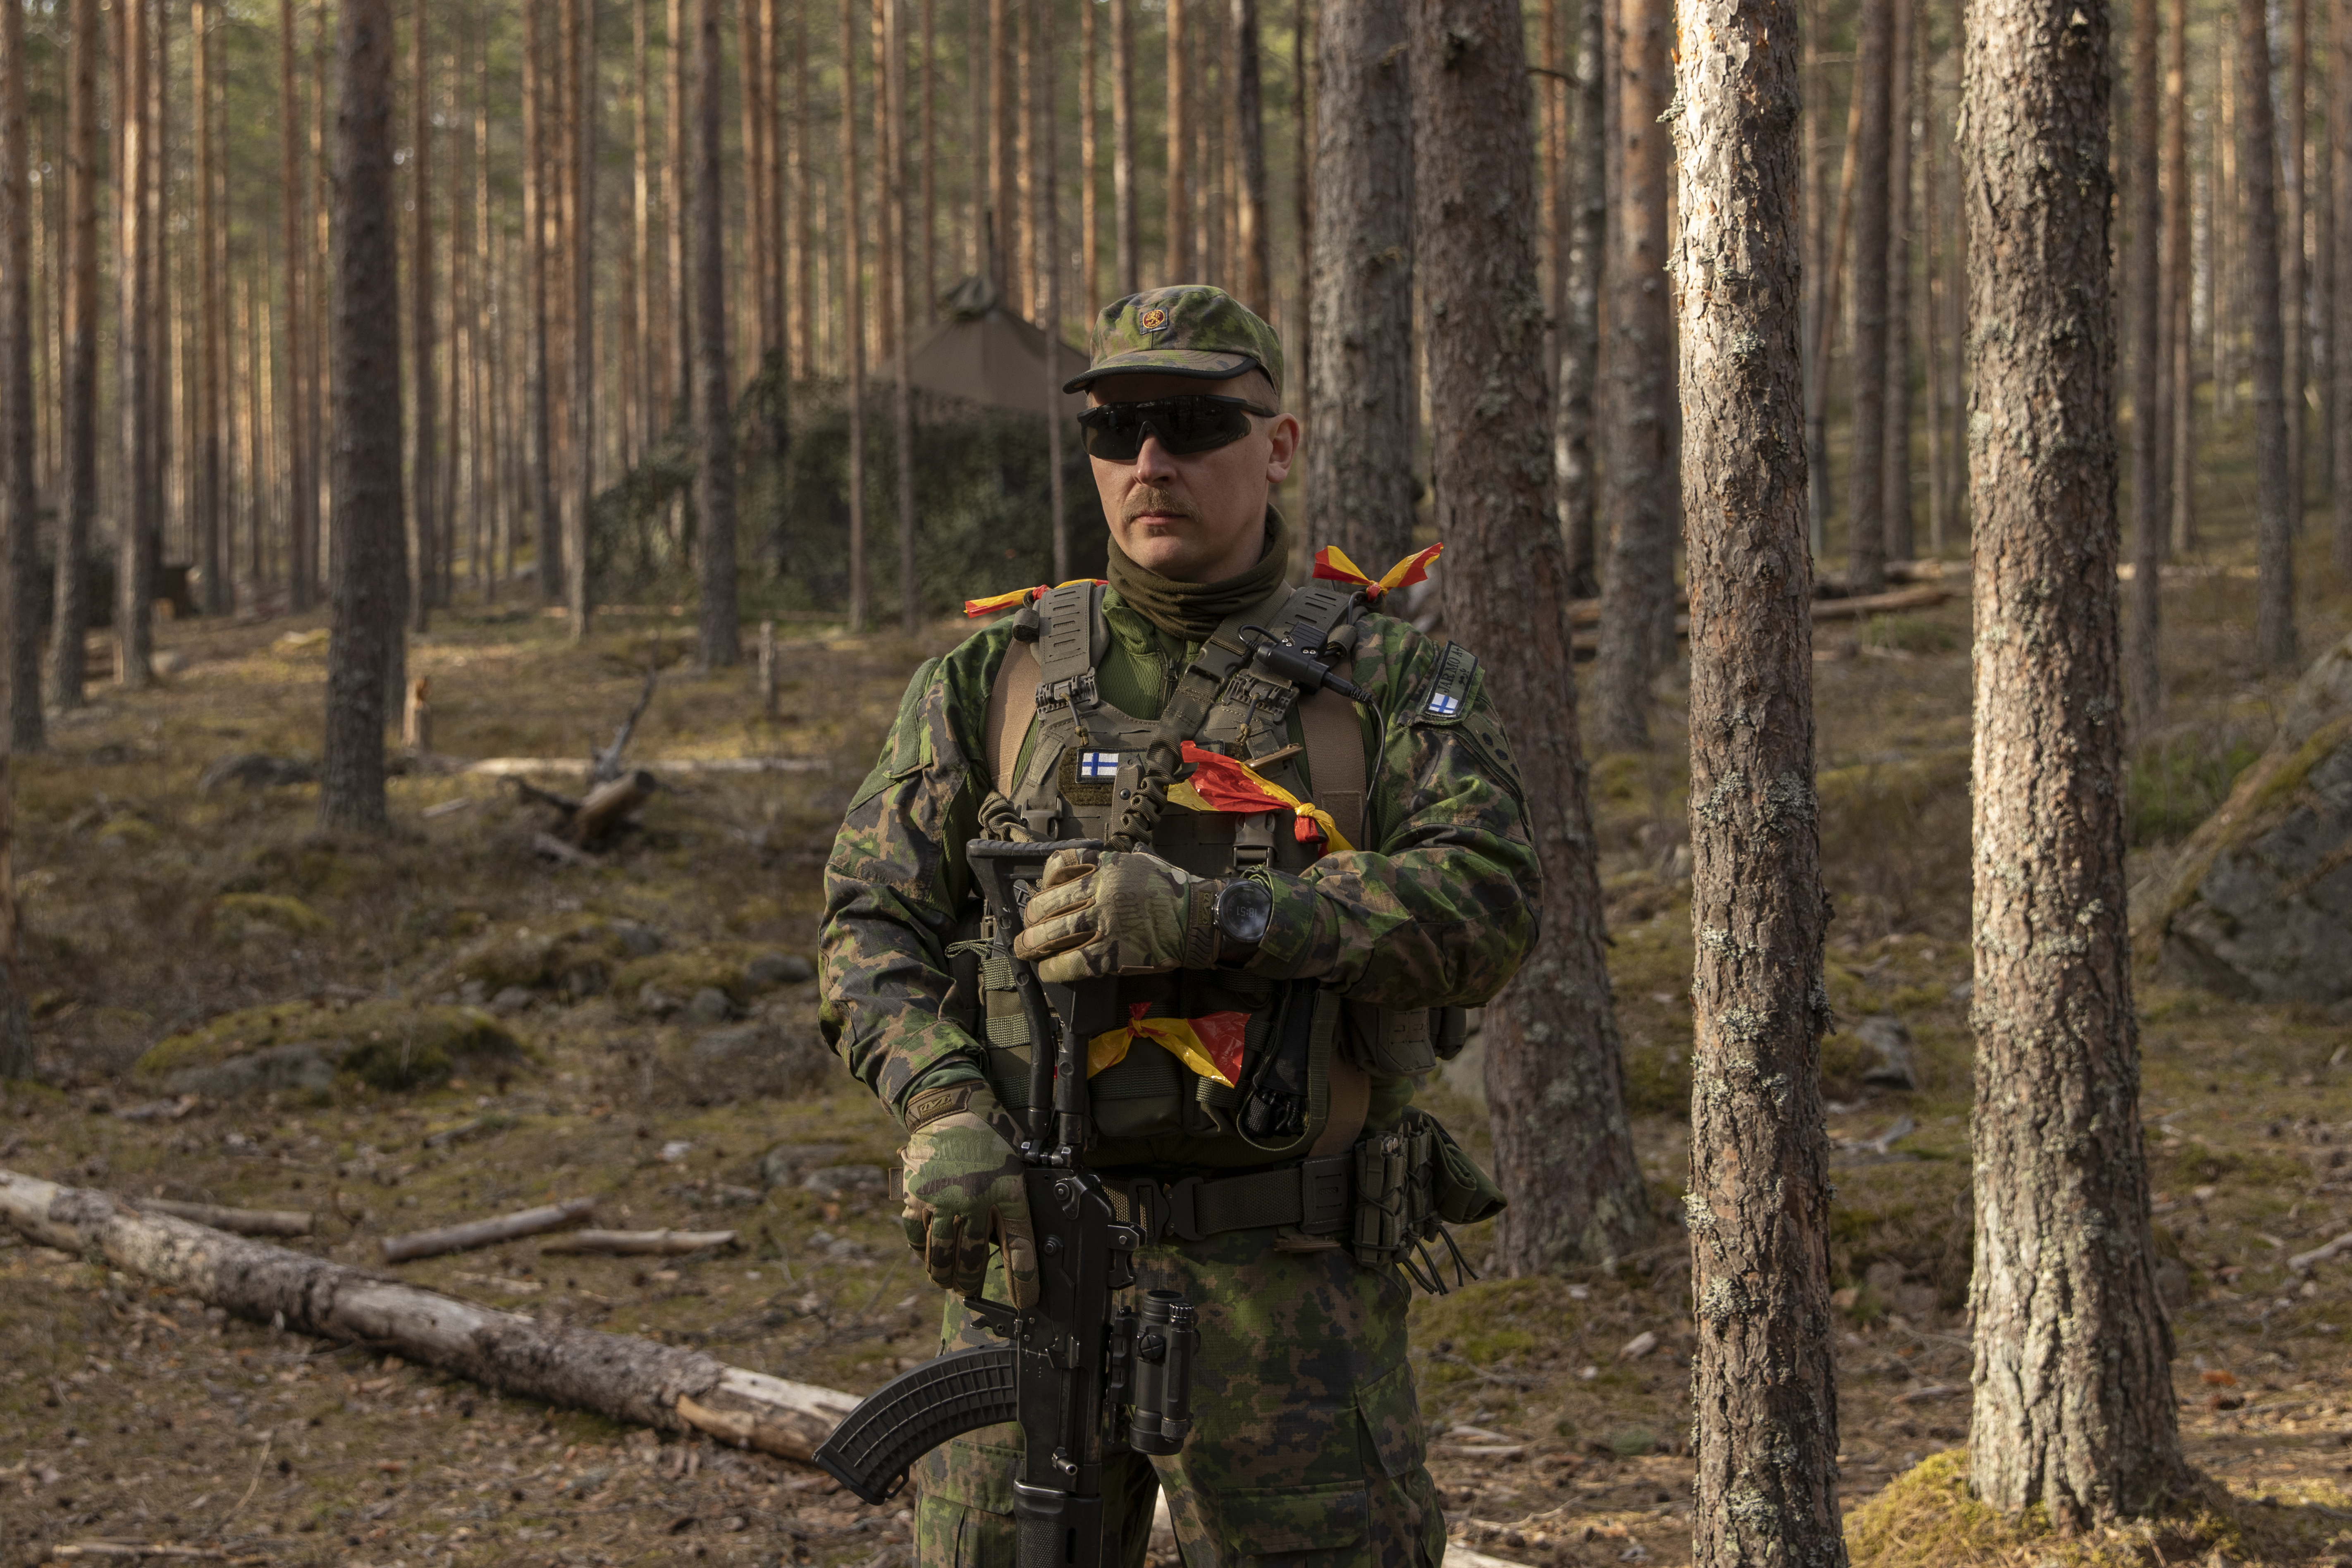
(1182, 1222)
(1323, 1197)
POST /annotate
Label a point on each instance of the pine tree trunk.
(805, 298)
(928, 309)
(1128, 249)
(301, 487)
(1585, 195)
(424, 439)
(1866, 520)
(1177, 266)
(539, 416)
(320, 387)
(581, 17)
(1764, 1380)
(1637, 586)
(853, 291)
(1021, 256)
(70, 604)
(1563, 1149)
(1090, 110)
(2143, 306)
(163, 349)
(2293, 271)
(134, 339)
(1895, 491)
(1046, 221)
(714, 480)
(366, 572)
(1302, 180)
(2223, 222)
(2339, 131)
(211, 554)
(893, 90)
(2074, 1407)
(2319, 186)
(889, 227)
(752, 102)
(1002, 239)
(2180, 338)
(978, 62)
(2275, 638)
(20, 607)
(1934, 282)
(1254, 242)
(1361, 402)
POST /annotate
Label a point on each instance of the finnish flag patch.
(1444, 704)
(1100, 766)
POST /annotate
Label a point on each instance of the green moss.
(1908, 634)
(237, 916)
(718, 966)
(576, 954)
(384, 1045)
(1844, 1059)
(1657, 1080)
(2261, 795)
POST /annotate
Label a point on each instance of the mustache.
(1150, 498)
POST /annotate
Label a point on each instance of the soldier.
(1297, 923)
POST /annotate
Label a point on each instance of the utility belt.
(1384, 1200)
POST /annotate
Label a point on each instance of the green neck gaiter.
(1191, 611)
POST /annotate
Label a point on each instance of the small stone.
(1640, 1345)
(1886, 1035)
(513, 999)
(637, 938)
(677, 1149)
(473, 993)
(844, 1178)
(656, 1002)
(710, 1003)
(769, 970)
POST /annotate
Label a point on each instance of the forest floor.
(157, 910)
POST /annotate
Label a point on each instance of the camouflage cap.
(1191, 329)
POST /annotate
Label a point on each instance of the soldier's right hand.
(965, 1189)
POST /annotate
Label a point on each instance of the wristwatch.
(1243, 907)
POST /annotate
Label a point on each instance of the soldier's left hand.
(1104, 911)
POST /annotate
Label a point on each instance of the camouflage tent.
(985, 354)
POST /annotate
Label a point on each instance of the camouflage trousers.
(1307, 1443)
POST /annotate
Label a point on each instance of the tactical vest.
(1066, 764)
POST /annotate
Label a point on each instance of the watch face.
(1242, 910)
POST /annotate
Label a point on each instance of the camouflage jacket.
(1437, 911)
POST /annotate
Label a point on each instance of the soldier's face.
(1197, 517)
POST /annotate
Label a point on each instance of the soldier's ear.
(1284, 435)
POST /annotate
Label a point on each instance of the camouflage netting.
(981, 504)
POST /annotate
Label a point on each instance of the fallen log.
(244, 1222)
(2303, 1262)
(639, 1242)
(520, 767)
(607, 805)
(485, 1232)
(612, 1375)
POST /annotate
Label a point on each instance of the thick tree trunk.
(2143, 308)
(1177, 266)
(1584, 194)
(1046, 221)
(1764, 1383)
(19, 516)
(1089, 215)
(1873, 125)
(1302, 193)
(134, 337)
(208, 498)
(79, 506)
(1004, 147)
(1894, 495)
(1637, 583)
(424, 441)
(1554, 1078)
(1933, 283)
(1254, 242)
(716, 618)
(366, 574)
(613, 1376)
(853, 288)
(2293, 270)
(320, 386)
(752, 102)
(1361, 403)
(539, 421)
(579, 593)
(2340, 133)
(2275, 638)
(978, 59)
(302, 487)
(677, 187)
(1128, 251)
(806, 305)
(488, 369)
(2074, 1408)
(893, 89)
(1021, 255)
(2180, 338)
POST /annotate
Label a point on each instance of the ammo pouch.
(1411, 1182)
(1392, 1042)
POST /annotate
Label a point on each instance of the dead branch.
(485, 1232)
(608, 806)
(554, 849)
(243, 1222)
(516, 767)
(613, 1376)
(605, 765)
(639, 1242)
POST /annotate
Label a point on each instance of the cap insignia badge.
(1152, 320)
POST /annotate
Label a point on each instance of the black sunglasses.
(1191, 423)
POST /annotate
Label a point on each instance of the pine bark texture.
(19, 516)
(2339, 132)
(1360, 399)
(1254, 241)
(539, 420)
(79, 506)
(580, 351)
(2274, 519)
(138, 501)
(1563, 1149)
(2182, 443)
(853, 287)
(1894, 495)
(717, 621)
(893, 89)
(1045, 223)
(1177, 265)
(2143, 675)
(425, 439)
(2075, 1403)
(1576, 472)
(1764, 1382)
(301, 486)
(1637, 582)
(208, 501)
(368, 571)
(1874, 127)
(1126, 245)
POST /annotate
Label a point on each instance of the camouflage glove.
(964, 1188)
(1100, 913)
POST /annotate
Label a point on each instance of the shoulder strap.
(1067, 646)
(1336, 765)
(1012, 705)
(1350, 1102)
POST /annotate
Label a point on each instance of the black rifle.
(1085, 1381)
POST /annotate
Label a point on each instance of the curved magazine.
(914, 1412)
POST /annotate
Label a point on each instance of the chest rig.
(1067, 762)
